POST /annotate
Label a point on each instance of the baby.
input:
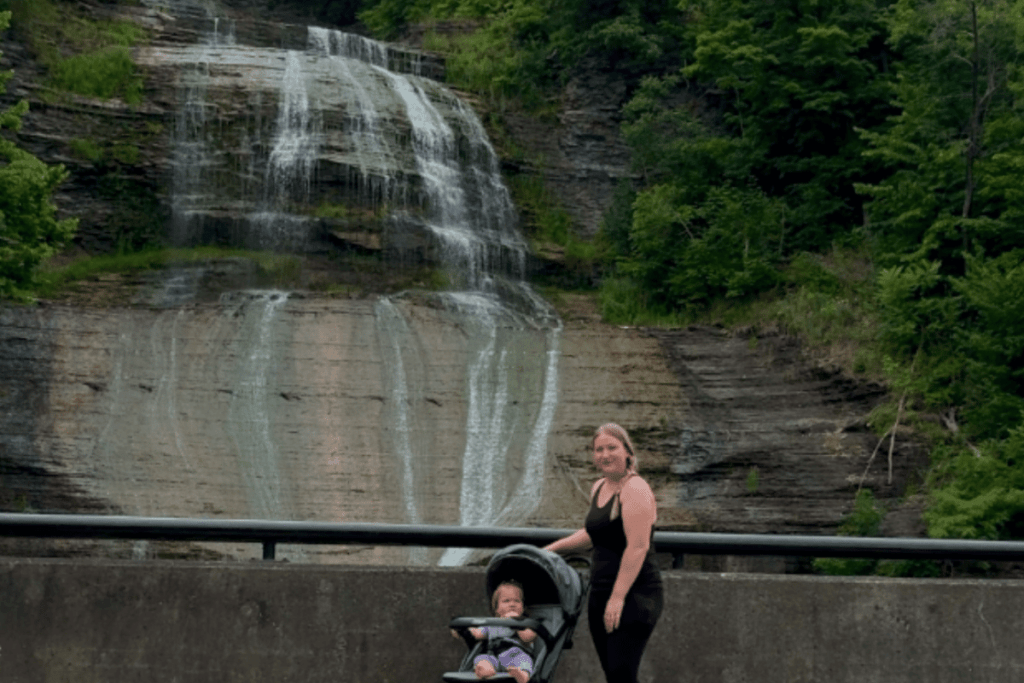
(506, 603)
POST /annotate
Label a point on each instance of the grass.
(828, 302)
(346, 275)
(83, 56)
(53, 280)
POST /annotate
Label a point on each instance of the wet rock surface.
(130, 411)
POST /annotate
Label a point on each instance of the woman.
(625, 586)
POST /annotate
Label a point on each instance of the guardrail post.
(269, 548)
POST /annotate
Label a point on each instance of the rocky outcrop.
(584, 157)
(135, 169)
(139, 411)
(737, 434)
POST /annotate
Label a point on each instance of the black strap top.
(609, 539)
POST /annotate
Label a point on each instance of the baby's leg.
(485, 666)
(518, 674)
(517, 663)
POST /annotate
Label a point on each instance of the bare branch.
(871, 459)
(895, 428)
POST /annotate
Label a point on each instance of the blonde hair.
(617, 432)
(507, 582)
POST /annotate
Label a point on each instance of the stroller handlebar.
(517, 624)
(463, 624)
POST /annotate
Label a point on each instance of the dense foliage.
(774, 140)
(29, 230)
(82, 55)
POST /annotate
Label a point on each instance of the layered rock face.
(268, 405)
(585, 156)
(272, 406)
(737, 434)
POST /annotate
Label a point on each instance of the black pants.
(621, 650)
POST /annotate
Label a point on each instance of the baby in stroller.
(508, 649)
(521, 580)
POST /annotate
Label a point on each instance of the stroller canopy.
(545, 576)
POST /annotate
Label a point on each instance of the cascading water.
(363, 122)
(291, 163)
(403, 362)
(193, 153)
(490, 493)
(353, 121)
(249, 416)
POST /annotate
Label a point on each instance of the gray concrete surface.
(177, 622)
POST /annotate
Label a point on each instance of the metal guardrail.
(269, 533)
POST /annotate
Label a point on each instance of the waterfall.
(398, 344)
(490, 493)
(291, 163)
(293, 157)
(354, 122)
(363, 119)
(191, 157)
(249, 416)
(466, 208)
(474, 221)
(349, 46)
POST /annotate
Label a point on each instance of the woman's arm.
(639, 511)
(580, 540)
(576, 541)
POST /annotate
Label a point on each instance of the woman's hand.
(613, 613)
(580, 540)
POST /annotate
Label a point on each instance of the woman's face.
(510, 602)
(610, 456)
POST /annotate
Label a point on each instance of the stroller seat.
(554, 600)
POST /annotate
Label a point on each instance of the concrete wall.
(179, 622)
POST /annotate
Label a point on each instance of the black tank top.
(609, 539)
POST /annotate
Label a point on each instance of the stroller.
(554, 599)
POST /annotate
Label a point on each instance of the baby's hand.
(477, 633)
(527, 635)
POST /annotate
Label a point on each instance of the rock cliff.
(130, 411)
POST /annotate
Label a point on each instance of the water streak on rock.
(249, 416)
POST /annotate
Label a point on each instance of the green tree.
(946, 220)
(794, 80)
(748, 152)
(954, 149)
(981, 491)
(952, 203)
(29, 229)
(990, 341)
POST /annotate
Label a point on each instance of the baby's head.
(507, 600)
